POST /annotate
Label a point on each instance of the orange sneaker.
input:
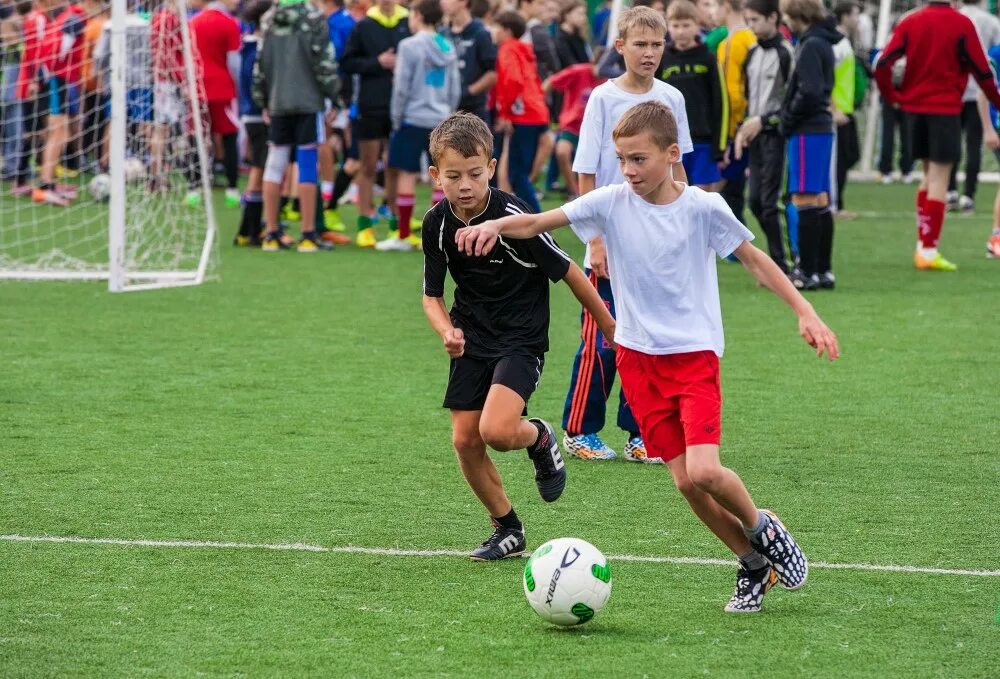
(49, 198)
(993, 246)
(336, 238)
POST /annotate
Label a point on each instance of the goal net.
(106, 172)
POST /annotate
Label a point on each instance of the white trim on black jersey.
(544, 237)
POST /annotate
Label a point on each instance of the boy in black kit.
(690, 67)
(497, 331)
(768, 68)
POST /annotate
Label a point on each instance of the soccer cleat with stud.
(333, 220)
(49, 197)
(751, 586)
(778, 546)
(550, 470)
(993, 246)
(587, 447)
(274, 242)
(803, 282)
(966, 205)
(827, 281)
(366, 238)
(935, 263)
(635, 451)
(502, 544)
(336, 238)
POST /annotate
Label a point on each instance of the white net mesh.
(55, 206)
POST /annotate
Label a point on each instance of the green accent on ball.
(583, 612)
(602, 573)
(542, 551)
(529, 579)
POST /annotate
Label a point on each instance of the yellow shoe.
(290, 215)
(416, 224)
(366, 238)
(66, 173)
(414, 241)
(333, 221)
(935, 263)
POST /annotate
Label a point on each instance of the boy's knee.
(685, 485)
(497, 437)
(705, 476)
(467, 445)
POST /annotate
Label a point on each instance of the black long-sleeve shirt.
(695, 72)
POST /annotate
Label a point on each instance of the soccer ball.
(100, 187)
(135, 170)
(567, 581)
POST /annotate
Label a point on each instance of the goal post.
(131, 202)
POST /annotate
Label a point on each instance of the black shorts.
(933, 137)
(257, 143)
(470, 379)
(298, 129)
(371, 128)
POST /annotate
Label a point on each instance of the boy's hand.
(992, 139)
(503, 126)
(748, 131)
(388, 59)
(818, 336)
(454, 342)
(599, 258)
(477, 240)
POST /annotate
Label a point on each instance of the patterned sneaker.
(935, 263)
(993, 246)
(635, 451)
(778, 546)
(587, 447)
(550, 470)
(503, 544)
(751, 586)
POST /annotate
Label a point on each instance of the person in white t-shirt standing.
(662, 239)
(641, 40)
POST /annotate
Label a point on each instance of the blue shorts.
(64, 99)
(737, 169)
(406, 145)
(139, 104)
(701, 168)
(809, 157)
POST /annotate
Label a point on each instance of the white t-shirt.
(595, 152)
(662, 264)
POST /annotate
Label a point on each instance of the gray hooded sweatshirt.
(427, 83)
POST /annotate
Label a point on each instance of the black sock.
(825, 259)
(341, 183)
(320, 217)
(809, 239)
(510, 520)
(231, 161)
(380, 178)
(296, 206)
(253, 211)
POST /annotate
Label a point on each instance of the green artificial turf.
(296, 399)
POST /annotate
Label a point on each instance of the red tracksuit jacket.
(519, 94)
(941, 49)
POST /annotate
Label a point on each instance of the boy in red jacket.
(941, 50)
(521, 110)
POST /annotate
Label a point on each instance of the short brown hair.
(429, 11)
(641, 17)
(807, 11)
(463, 133)
(650, 116)
(513, 22)
(682, 10)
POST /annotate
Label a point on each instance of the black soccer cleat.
(827, 281)
(503, 544)
(751, 586)
(550, 470)
(803, 282)
(778, 546)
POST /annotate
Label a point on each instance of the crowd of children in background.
(349, 119)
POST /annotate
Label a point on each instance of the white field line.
(391, 551)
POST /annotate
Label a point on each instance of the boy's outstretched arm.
(585, 291)
(440, 320)
(811, 326)
(479, 239)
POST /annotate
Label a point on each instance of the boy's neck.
(684, 48)
(769, 36)
(666, 193)
(427, 29)
(473, 212)
(634, 83)
(460, 19)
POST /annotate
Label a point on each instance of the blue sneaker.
(587, 447)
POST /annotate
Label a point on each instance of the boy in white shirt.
(662, 238)
(641, 41)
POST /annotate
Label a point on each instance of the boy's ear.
(674, 153)
(619, 45)
(433, 172)
(491, 168)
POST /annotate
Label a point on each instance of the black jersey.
(501, 298)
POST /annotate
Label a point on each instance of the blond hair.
(464, 133)
(653, 117)
(641, 17)
(681, 10)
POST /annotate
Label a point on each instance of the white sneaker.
(952, 201)
(886, 179)
(966, 204)
(909, 178)
(394, 244)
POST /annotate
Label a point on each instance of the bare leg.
(718, 519)
(477, 467)
(54, 144)
(272, 201)
(564, 156)
(365, 177)
(501, 425)
(542, 155)
(707, 473)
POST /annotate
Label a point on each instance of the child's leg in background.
(767, 168)
(523, 145)
(593, 371)
(565, 151)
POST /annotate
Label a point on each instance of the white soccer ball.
(567, 581)
(135, 170)
(100, 187)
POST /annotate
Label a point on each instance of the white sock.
(927, 253)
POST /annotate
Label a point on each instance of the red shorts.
(676, 399)
(223, 117)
